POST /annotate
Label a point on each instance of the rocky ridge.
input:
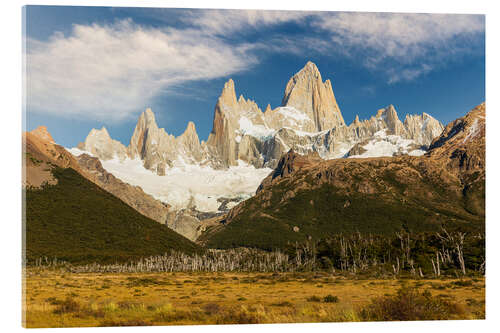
(309, 120)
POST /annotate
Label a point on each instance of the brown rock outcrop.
(42, 133)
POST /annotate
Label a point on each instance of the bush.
(285, 303)
(69, 305)
(330, 299)
(132, 322)
(463, 283)
(313, 299)
(409, 304)
(211, 308)
(234, 316)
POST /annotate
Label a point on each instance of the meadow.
(58, 298)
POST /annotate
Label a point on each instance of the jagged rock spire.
(307, 92)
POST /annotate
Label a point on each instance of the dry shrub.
(132, 322)
(211, 309)
(330, 299)
(313, 299)
(69, 305)
(285, 303)
(240, 316)
(409, 304)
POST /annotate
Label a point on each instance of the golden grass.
(61, 299)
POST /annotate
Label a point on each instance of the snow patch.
(387, 145)
(292, 117)
(77, 152)
(231, 204)
(290, 112)
(186, 185)
(417, 152)
(247, 127)
(310, 134)
(473, 131)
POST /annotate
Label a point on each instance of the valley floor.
(62, 299)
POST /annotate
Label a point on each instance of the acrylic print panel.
(193, 166)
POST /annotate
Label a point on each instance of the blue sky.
(89, 67)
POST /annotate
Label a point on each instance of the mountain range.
(267, 178)
(77, 212)
(246, 143)
(307, 196)
(309, 119)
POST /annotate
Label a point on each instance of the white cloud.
(112, 71)
(226, 22)
(407, 74)
(404, 45)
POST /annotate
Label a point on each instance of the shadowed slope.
(77, 221)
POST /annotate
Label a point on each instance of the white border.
(10, 130)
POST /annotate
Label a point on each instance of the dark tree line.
(420, 254)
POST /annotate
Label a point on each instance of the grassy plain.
(61, 299)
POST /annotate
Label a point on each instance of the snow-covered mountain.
(245, 144)
(309, 120)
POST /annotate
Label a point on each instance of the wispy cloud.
(111, 72)
(405, 46)
(227, 22)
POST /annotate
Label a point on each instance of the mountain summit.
(306, 91)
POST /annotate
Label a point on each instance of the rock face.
(422, 128)
(462, 144)
(461, 148)
(184, 223)
(307, 197)
(238, 125)
(158, 149)
(39, 154)
(307, 92)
